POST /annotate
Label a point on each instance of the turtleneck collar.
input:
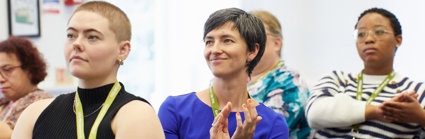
(95, 96)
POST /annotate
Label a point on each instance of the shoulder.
(268, 113)
(40, 94)
(26, 121)
(271, 118)
(136, 106)
(134, 116)
(37, 107)
(180, 99)
(337, 76)
(180, 105)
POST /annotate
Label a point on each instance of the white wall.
(318, 34)
(4, 31)
(180, 65)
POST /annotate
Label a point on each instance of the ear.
(29, 75)
(277, 44)
(124, 50)
(398, 40)
(253, 54)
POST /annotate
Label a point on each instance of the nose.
(370, 38)
(78, 44)
(216, 48)
(2, 78)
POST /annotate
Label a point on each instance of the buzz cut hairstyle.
(118, 20)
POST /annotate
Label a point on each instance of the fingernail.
(250, 100)
(243, 105)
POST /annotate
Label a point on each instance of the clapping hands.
(245, 130)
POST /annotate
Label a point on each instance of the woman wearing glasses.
(21, 69)
(344, 105)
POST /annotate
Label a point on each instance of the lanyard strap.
(377, 91)
(214, 102)
(80, 116)
(374, 94)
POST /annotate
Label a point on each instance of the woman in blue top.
(234, 43)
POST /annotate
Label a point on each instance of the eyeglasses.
(361, 34)
(7, 71)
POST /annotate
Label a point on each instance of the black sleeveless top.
(57, 121)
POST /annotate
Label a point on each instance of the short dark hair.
(395, 24)
(249, 26)
(30, 58)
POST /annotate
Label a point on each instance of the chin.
(77, 73)
(218, 74)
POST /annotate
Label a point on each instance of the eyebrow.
(374, 26)
(221, 37)
(4, 66)
(85, 31)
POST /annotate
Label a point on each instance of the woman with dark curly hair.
(21, 69)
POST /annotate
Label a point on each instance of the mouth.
(3, 88)
(217, 59)
(370, 50)
(78, 58)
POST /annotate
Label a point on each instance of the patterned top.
(10, 111)
(282, 90)
(333, 109)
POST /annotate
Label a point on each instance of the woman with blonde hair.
(98, 42)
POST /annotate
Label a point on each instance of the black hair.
(395, 24)
(250, 27)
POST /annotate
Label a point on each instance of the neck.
(262, 68)
(378, 70)
(96, 82)
(30, 89)
(234, 91)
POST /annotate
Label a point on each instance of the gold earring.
(120, 61)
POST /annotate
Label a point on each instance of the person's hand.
(247, 129)
(219, 129)
(375, 113)
(404, 108)
(402, 97)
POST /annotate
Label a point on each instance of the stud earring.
(121, 62)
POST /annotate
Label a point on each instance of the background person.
(345, 105)
(21, 69)
(276, 85)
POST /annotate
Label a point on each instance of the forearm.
(338, 111)
(371, 112)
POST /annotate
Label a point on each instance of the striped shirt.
(332, 108)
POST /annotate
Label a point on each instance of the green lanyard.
(214, 102)
(80, 116)
(374, 94)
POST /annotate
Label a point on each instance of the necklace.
(73, 108)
